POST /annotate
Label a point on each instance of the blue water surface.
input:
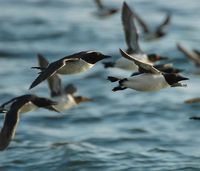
(121, 131)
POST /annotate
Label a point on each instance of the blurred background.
(125, 130)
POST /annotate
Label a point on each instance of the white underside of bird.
(25, 108)
(28, 107)
(146, 82)
(65, 102)
(73, 67)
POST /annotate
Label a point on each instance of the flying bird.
(65, 97)
(132, 41)
(104, 11)
(148, 78)
(20, 104)
(72, 64)
(158, 32)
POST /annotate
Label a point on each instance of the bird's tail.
(113, 79)
(120, 86)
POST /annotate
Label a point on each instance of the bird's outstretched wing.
(141, 22)
(99, 4)
(70, 89)
(192, 56)
(54, 82)
(197, 52)
(49, 71)
(143, 67)
(9, 127)
(130, 31)
(164, 25)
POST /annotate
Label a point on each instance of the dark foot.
(118, 88)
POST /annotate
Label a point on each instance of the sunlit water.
(125, 130)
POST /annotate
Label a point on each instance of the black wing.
(99, 4)
(70, 89)
(163, 26)
(197, 52)
(10, 123)
(48, 72)
(141, 22)
(54, 82)
(130, 31)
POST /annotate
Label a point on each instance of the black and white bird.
(132, 41)
(158, 32)
(72, 64)
(193, 55)
(21, 104)
(148, 78)
(65, 97)
(104, 11)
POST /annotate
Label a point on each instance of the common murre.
(19, 105)
(72, 64)
(158, 32)
(148, 78)
(132, 41)
(104, 11)
(65, 97)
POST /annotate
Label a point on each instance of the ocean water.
(118, 131)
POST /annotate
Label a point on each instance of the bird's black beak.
(181, 78)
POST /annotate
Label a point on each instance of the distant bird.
(148, 78)
(72, 64)
(195, 118)
(104, 11)
(193, 55)
(158, 32)
(193, 100)
(132, 38)
(19, 105)
(64, 96)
